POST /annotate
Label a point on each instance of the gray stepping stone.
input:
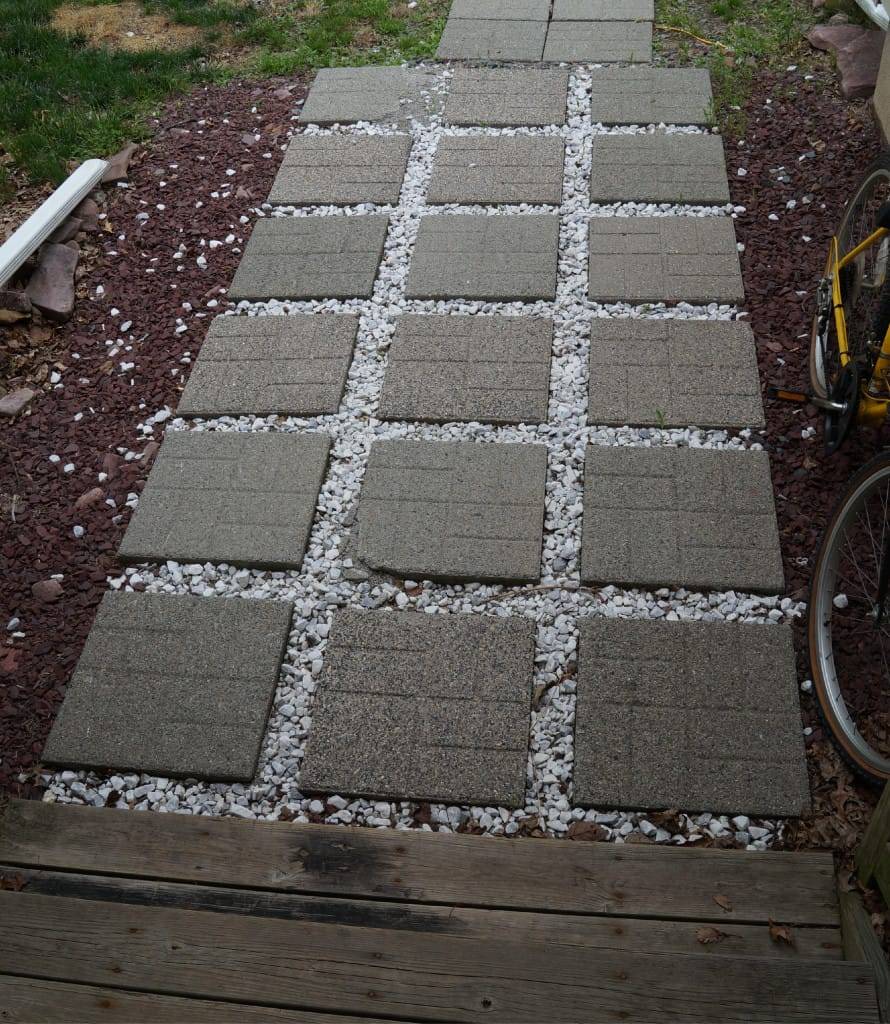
(674, 373)
(507, 169)
(651, 96)
(242, 499)
(271, 365)
(664, 259)
(504, 10)
(696, 715)
(699, 518)
(342, 171)
(456, 511)
(173, 685)
(311, 258)
(423, 707)
(603, 10)
(493, 39)
(507, 97)
(476, 256)
(600, 41)
(658, 169)
(466, 368)
(388, 95)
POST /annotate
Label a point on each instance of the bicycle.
(849, 612)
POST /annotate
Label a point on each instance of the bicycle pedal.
(784, 395)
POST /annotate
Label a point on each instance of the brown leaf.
(780, 932)
(587, 830)
(724, 902)
(708, 935)
(12, 883)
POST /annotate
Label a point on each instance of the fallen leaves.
(780, 932)
(589, 831)
(12, 883)
(724, 902)
(709, 935)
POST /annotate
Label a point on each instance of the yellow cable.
(692, 35)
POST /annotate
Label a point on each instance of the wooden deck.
(137, 917)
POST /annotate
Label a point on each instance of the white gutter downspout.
(876, 10)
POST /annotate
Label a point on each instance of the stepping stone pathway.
(506, 170)
(378, 95)
(493, 40)
(700, 714)
(601, 41)
(496, 98)
(243, 499)
(603, 10)
(284, 365)
(424, 707)
(651, 96)
(173, 685)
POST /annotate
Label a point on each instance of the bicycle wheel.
(849, 632)
(862, 283)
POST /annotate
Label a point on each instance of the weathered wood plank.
(494, 925)
(418, 975)
(532, 874)
(861, 943)
(873, 847)
(37, 1001)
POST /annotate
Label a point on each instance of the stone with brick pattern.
(480, 170)
(601, 42)
(492, 39)
(641, 95)
(507, 97)
(603, 10)
(379, 95)
(503, 10)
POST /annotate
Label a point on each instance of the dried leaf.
(587, 830)
(724, 902)
(708, 935)
(12, 883)
(780, 932)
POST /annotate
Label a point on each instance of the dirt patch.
(125, 26)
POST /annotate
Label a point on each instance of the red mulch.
(38, 540)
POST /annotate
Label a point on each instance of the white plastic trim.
(41, 224)
(876, 10)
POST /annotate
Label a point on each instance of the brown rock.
(88, 211)
(47, 591)
(111, 465)
(282, 94)
(16, 401)
(248, 139)
(89, 498)
(66, 230)
(119, 164)
(858, 63)
(242, 193)
(14, 306)
(149, 452)
(834, 37)
(51, 288)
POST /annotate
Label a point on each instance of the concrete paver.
(603, 10)
(507, 97)
(380, 95)
(497, 170)
(601, 42)
(504, 10)
(642, 95)
(494, 39)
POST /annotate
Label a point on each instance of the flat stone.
(311, 258)
(423, 707)
(699, 518)
(173, 685)
(504, 10)
(475, 256)
(14, 306)
(696, 715)
(489, 369)
(602, 42)
(674, 373)
(834, 37)
(342, 171)
(504, 98)
(51, 286)
(603, 10)
(651, 96)
(664, 259)
(16, 401)
(495, 39)
(384, 95)
(456, 511)
(271, 365)
(506, 169)
(658, 169)
(242, 499)
(119, 164)
(859, 63)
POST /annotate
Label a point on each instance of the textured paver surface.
(265, 365)
(424, 707)
(507, 97)
(699, 518)
(244, 499)
(491, 369)
(599, 41)
(311, 258)
(603, 10)
(493, 39)
(507, 10)
(497, 170)
(670, 259)
(453, 510)
(342, 171)
(658, 169)
(475, 256)
(378, 95)
(651, 96)
(173, 685)
(694, 715)
(674, 373)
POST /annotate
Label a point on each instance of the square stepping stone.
(680, 517)
(173, 685)
(342, 171)
(517, 169)
(476, 256)
(423, 707)
(651, 96)
(674, 373)
(242, 499)
(271, 365)
(664, 259)
(602, 42)
(311, 258)
(505, 10)
(453, 510)
(658, 169)
(603, 10)
(507, 97)
(463, 368)
(491, 39)
(387, 95)
(703, 716)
